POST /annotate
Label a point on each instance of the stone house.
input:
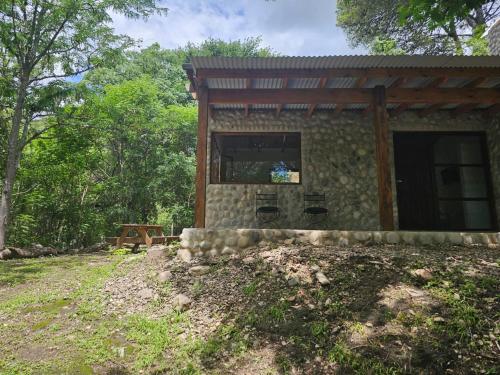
(391, 142)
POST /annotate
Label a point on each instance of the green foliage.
(249, 47)
(120, 148)
(386, 47)
(477, 43)
(418, 26)
(439, 13)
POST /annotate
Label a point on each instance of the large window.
(255, 158)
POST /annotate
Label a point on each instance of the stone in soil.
(249, 260)
(199, 270)
(292, 281)
(146, 293)
(184, 255)
(182, 302)
(322, 279)
(157, 253)
(423, 274)
(164, 276)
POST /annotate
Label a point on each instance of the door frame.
(487, 168)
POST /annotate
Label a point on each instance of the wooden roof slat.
(284, 85)
(400, 109)
(248, 85)
(431, 109)
(476, 82)
(360, 82)
(312, 107)
(399, 82)
(433, 84)
(437, 82)
(339, 108)
(463, 108)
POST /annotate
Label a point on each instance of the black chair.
(266, 207)
(314, 206)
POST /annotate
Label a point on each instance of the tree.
(249, 47)
(419, 26)
(462, 20)
(44, 42)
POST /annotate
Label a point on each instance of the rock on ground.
(182, 302)
(322, 279)
(164, 276)
(199, 270)
(423, 273)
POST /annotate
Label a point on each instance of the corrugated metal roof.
(331, 62)
(354, 61)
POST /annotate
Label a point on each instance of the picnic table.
(142, 236)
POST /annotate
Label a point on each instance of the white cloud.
(290, 27)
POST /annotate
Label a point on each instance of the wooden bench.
(142, 237)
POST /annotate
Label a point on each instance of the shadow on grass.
(344, 328)
(18, 271)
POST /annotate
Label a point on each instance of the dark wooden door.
(414, 185)
(443, 181)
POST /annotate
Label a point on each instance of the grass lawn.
(385, 310)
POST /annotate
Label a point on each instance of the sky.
(289, 27)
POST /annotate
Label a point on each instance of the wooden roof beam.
(431, 109)
(399, 109)
(349, 72)
(248, 85)
(476, 82)
(367, 110)
(321, 84)
(437, 82)
(463, 108)
(468, 106)
(284, 85)
(339, 108)
(353, 96)
(360, 82)
(399, 82)
(433, 84)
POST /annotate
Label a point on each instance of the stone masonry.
(493, 37)
(214, 242)
(338, 158)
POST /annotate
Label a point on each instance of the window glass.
(458, 149)
(469, 215)
(257, 158)
(461, 182)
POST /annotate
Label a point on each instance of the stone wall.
(214, 242)
(338, 158)
(493, 37)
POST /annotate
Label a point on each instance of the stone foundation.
(228, 241)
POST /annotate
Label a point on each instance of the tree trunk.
(12, 160)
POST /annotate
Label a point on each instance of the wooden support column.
(382, 157)
(201, 158)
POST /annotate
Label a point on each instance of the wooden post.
(201, 158)
(382, 157)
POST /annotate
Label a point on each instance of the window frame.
(234, 134)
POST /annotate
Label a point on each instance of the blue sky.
(290, 27)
